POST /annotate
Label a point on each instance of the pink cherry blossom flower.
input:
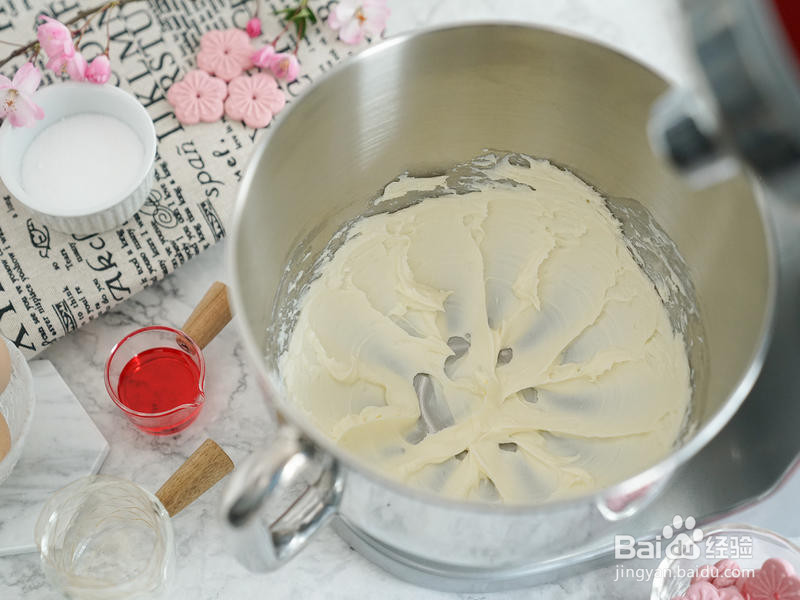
(76, 67)
(262, 58)
(197, 97)
(57, 63)
(775, 580)
(358, 19)
(54, 38)
(253, 27)
(254, 99)
(225, 53)
(99, 70)
(285, 66)
(16, 103)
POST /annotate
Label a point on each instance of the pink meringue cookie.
(775, 580)
(741, 581)
(704, 573)
(225, 54)
(254, 99)
(730, 593)
(701, 590)
(198, 97)
(725, 570)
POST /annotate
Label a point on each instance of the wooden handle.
(210, 315)
(205, 467)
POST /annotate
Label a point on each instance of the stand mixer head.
(747, 105)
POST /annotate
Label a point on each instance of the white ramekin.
(62, 100)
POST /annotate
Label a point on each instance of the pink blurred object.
(704, 573)
(263, 57)
(285, 66)
(724, 576)
(702, 590)
(775, 580)
(99, 70)
(254, 99)
(16, 102)
(76, 67)
(225, 54)
(198, 97)
(730, 593)
(253, 27)
(54, 38)
(356, 20)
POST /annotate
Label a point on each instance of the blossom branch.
(86, 13)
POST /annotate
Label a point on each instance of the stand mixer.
(746, 110)
(748, 104)
(586, 107)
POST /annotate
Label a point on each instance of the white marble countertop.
(236, 416)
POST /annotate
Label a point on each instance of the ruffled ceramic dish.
(61, 101)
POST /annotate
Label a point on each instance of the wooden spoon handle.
(205, 467)
(210, 315)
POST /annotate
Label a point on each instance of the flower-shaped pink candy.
(704, 573)
(225, 53)
(254, 99)
(197, 97)
(701, 590)
(775, 580)
(730, 593)
(728, 571)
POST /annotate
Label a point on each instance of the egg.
(5, 438)
(5, 377)
(5, 366)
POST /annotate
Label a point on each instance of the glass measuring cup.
(152, 409)
(104, 537)
(155, 374)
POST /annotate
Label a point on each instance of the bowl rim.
(13, 181)
(656, 587)
(15, 453)
(658, 472)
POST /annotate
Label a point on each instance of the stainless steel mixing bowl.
(422, 103)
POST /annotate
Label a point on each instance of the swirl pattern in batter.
(497, 345)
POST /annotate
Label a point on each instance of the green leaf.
(300, 16)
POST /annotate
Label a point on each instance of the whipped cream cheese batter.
(498, 345)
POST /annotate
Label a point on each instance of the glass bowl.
(748, 546)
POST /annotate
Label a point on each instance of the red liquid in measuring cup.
(158, 380)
